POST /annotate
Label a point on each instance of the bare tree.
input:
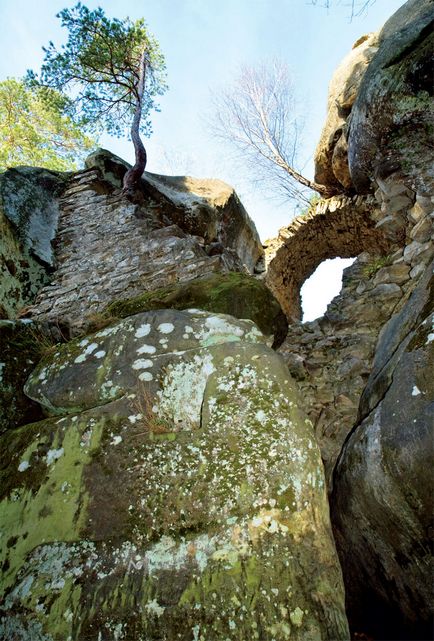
(256, 115)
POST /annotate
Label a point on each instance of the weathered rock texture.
(384, 482)
(175, 491)
(28, 223)
(20, 352)
(181, 495)
(331, 155)
(392, 121)
(375, 343)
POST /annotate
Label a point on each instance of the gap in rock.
(320, 288)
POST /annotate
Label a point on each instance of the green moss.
(233, 293)
(48, 492)
(375, 264)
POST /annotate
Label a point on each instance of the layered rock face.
(331, 155)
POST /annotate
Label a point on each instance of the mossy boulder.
(233, 293)
(190, 506)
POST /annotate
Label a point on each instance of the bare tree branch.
(256, 116)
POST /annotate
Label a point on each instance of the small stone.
(397, 273)
(386, 291)
(422, 231)
(418, 252)
(417, 270)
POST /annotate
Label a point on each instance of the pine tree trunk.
(134, 174)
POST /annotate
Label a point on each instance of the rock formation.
(161, 472)
(171, 479)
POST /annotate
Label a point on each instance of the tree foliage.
(34, 130)
(111, 72)
(257, 116)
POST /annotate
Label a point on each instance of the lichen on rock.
(176, 506)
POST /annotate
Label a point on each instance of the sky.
(205, 42)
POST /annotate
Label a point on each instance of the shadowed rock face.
(180, 485)
(392, 118)
(383, 481)
(28, 223)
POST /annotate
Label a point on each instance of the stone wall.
(109, 248)
(331, 357)
(338, 227)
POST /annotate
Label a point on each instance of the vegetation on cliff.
(110, 72)
(35, 131)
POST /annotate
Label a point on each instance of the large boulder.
(383, 482)
(236, 294)
(331, 162)
(392, 119)
(180, 496)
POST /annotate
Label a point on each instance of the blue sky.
(205, 42)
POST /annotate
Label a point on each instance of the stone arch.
(340, 227)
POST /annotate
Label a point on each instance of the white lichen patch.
(134, 418)
(146, 349)
(142, 363)
(53, 455)
(23, 466)
(108, 331)
(296, 617)
(166, 328)
(143, 330)
(184, 383)
(109, 390)
(153, 607)
(267, 521)
(100, 354)
(415, 391)
(146, 376)
(116, 440)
